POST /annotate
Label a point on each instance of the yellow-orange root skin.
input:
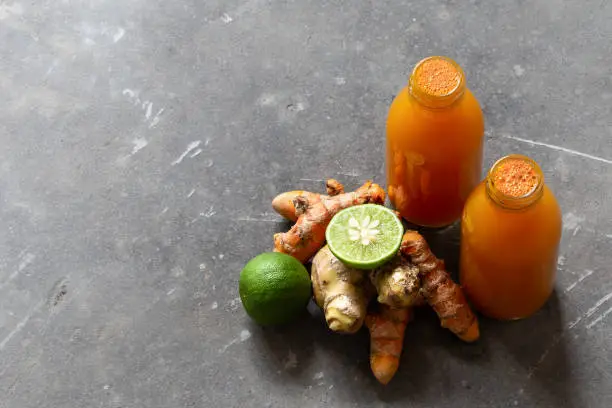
(334, 187)
(387, 327)
(440, 291)
(283, 203)
(314, 213)
(342, 292)
(384, 367)
(397, 283)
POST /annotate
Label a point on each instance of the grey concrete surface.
(142, 142)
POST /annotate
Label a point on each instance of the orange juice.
(435, 132)
(510, 235)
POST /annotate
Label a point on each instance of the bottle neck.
(515, 182)
(437, 82)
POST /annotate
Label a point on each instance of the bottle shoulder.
(481, 210)
(465, 108)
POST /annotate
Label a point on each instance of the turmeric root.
(397, 283)
(387, 327)
(439, 290)
(340, 291)
(283, 203)
(314, 213)
(334, 187)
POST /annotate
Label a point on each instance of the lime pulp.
(364, 236)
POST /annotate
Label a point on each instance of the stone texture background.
(142, 142)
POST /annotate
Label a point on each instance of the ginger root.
(439, 290)
(341, 292)
(387, 327)
(314, 212)
(283, 203)
(397, 283)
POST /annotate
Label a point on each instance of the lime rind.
(364, 236)
(274, 288)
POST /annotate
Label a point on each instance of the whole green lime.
(274, 288)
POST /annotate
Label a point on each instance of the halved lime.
(365, 236)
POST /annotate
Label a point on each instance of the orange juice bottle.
(510, 233)
(435, 132)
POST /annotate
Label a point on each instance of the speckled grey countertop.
(142, 142)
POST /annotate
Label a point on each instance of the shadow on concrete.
(286, 349)
(538, 344)
(290, 349)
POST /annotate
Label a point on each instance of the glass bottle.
(435, 132)
(510, 234)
